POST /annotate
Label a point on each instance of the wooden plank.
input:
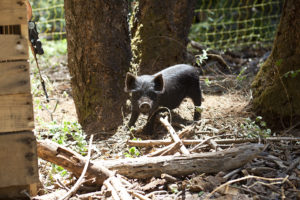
(24, 31)
(11, 4)
(16, 113)
(18, 156)
(12, 12)
(14, 78)
(13, 47)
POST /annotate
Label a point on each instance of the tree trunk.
(276, 94)
(159, 33)
(98, 58)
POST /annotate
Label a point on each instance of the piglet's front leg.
(149, 127)
(133, 118)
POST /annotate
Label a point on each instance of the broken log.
(71, 161)
(142, 167)
(80, 165)
(212, 162)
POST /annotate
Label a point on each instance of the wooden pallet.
(18, 156)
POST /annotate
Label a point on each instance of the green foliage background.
(218, 24)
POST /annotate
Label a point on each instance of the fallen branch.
(168, 178)
(168, 150)
(172, 150)
(81, 178)
(90, 195)
(211, 162)
(186, 131)
(142, 197)
(145, 143)
(244, 178)
(112, 189)
(173, 134)
(74, 163)
(201, 143)
(118, 186)
(214, 145)
(293, 165)
(71, 161)
(142, 167)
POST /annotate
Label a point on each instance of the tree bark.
(98, 58)
(160, 33)
(276, 96)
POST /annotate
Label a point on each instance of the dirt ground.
(222, 113)
(225, 111)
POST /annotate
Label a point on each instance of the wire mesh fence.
(50, 18)
(218, 24)
(223, 24)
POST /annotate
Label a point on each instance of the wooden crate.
(16, 112)
(18, 156)
(18, 159)
(13, 12)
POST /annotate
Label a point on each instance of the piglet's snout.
(145, 105)
(144, 108)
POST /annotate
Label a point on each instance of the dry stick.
(156, 193)
(232, 173)
(282, 193)
(122, 192)
(62, 185)
(186, 131)
(123, 181)
(137, 191)
(169, 178)
(145, 143)
(142, 197)
(81, 178)
(112, 189)
(172, 150)
(293, 165)
(201, 143)
(244, 178)
(214, 145)
(88, 195)
(174, 135)
(164, 149)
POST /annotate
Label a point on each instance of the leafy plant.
(207, 82)
(199, 109)
(67, 134)
(256, 128)
(202, 57)
(133, 152)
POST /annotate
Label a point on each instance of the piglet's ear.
(130, 82)
(159, 83)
